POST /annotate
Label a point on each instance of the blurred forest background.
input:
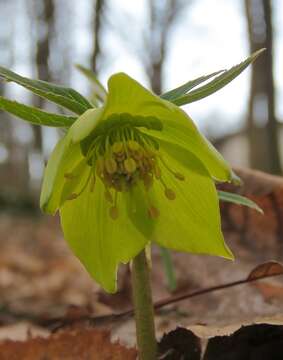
(162, 43)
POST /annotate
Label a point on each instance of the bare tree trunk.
(97, 21)
(161, 16)
(261, 121)
(41, 57)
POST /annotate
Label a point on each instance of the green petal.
(128, 96)
(98, 241)
(85, 124)
(64, 159)
(191, 222)
(180, 130)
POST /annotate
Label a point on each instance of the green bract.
(134, 171)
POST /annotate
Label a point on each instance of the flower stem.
(144, 314)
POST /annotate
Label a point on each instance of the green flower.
(132, 172)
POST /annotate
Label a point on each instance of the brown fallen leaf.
(269, 291)
(260, 233)
(270, 268)
(76, 344)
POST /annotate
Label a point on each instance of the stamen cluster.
(123, 158)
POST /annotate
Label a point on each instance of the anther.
(130, 165)
(170, 194)
(147, 180)
(72, 196)
(179, 176)
(117, 147)
(133, 145)
(113, 212)
(157, 171)
(153, 212)
(110, 165)
(69, 176)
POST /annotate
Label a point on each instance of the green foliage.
(34, 115)
(216, 84)
(239, 200)
(183, 89)
(99, 93)
(66, 97)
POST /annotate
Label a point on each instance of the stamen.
(69, 176)
(72, 196)
(179, 176)
(113, 212)
(153, 212)
(99, 166)
(170, 194)
(117, 147)
(157, 171)
(110, 165)
(130, 165)
(108, 196)
(147, 180)
(92, 183)
(133, 145)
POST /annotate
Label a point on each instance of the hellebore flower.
(132, 172)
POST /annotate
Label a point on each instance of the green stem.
(144, 314)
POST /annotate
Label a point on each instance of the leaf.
(217, 83)
(34, 115)
(168, 268)
(183, 89)
(99, 90)
(238, 199)
(71, 344)
(267, 269)
(66, 97)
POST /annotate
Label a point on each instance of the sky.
(210, 35)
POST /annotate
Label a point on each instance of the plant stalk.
(143, 306)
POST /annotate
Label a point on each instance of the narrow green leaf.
(99, 90)
(168, 268)
(66, 97)
(183, 89)
(217, 83)
(34, 115)
(238, 199)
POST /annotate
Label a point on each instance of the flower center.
(124, 157)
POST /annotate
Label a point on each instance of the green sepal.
(63, 161)
(64, 96)
(217, 83)
(127, 96)
(34, 115)
(100, 242)
(190, 222)
(238, 199)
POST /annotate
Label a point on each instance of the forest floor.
(41, 279)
